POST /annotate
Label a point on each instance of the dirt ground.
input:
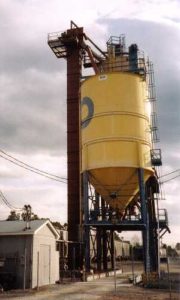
(141, 294)
(101, 289)
(107, 288)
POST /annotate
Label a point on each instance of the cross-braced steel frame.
(98, 216)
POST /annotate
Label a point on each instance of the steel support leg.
(104, 249)
(153, 236)
(145, 219)
(99, 249)
(104, 236)
(112, 249)
(86, 222)
(98, 235)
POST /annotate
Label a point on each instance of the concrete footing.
(91, 277)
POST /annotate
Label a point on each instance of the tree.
(171, 251)
(26, 215)
(57, 225)
(177, 246)
(13, 216)
(65, 226)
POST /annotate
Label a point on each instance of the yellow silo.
(116, 138)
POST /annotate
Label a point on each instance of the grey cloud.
(33, 113)
(17, 57)
(173, 212)
(22, 42)
(33, 88)
(160, 42)
(176, 20)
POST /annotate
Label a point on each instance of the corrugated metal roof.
(19, 227)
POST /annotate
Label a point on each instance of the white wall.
(44, 247)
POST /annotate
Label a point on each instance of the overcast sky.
(33, 91)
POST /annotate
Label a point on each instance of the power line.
(4, 201)
(170, 179)
(7, 203)
(178, 170)
(170, 173)
(27, 165)
(31, 169)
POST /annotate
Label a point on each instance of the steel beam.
(104, 238)
(112, 242)
(99, 249)
(86, 221)
(145, 219)
(153, 236)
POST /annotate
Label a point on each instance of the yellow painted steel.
(115, 135)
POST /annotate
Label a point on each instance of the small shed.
(28, 256)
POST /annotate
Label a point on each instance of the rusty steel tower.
(71, 46)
